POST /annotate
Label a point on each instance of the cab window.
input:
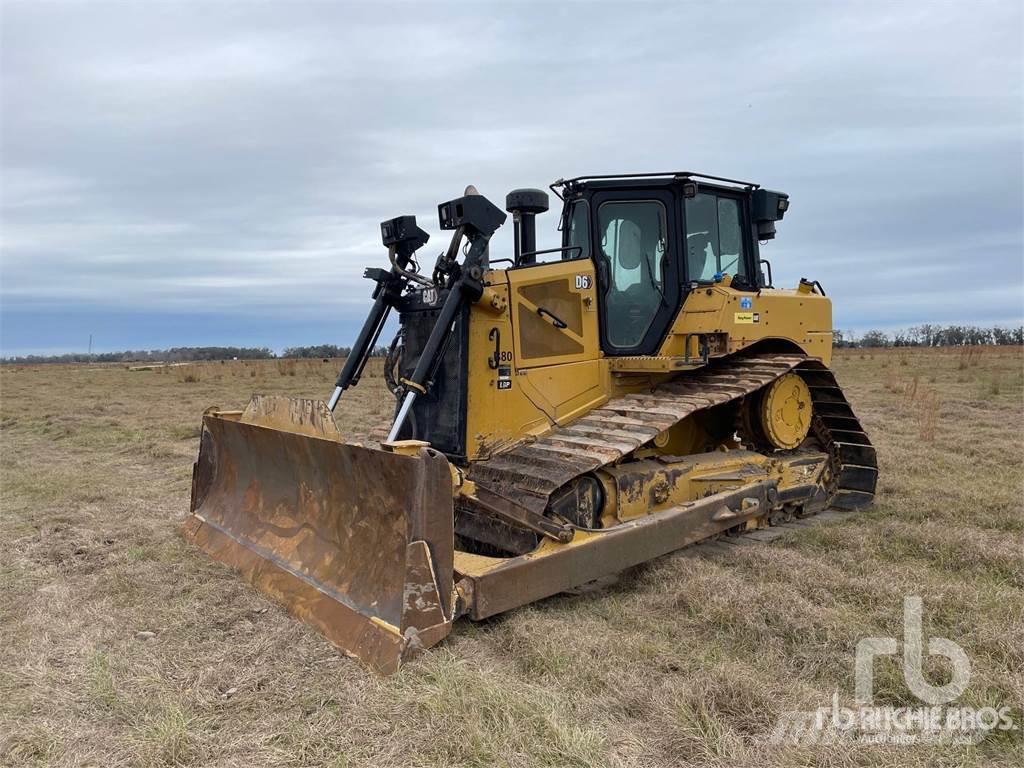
(633, 244)
(578, 240)
(714, 237)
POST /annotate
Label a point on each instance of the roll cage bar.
(563, 184)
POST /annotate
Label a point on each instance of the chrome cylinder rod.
(334, 398)
(410, 398)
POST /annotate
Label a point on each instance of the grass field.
(122, 645)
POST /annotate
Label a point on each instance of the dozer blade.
(355, 541)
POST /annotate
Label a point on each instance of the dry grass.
(123, 646)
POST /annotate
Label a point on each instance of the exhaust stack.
(524, 205)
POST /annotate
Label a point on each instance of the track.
(532, 471)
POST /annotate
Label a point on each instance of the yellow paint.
(385, 625)
(674, 484)
(682, 438)
(543, 389)
(549, 376)
(468, 564)
(786, 411)
(405, 447)
(636, 489)
(800, 321)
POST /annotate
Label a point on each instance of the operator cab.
(655, 237)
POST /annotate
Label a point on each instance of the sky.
(203, 174)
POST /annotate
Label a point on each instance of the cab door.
(555, 331)
(635, 247)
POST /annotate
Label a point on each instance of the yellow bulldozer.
(560, 415)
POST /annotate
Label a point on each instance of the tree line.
(328, 350)
(189, 354)
(925, 335)
(928, 335)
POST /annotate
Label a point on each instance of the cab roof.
(663, 178)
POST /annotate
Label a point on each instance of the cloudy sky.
(186, 174)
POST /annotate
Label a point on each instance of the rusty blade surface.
(355, 541)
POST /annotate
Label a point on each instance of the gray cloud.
(236, 157)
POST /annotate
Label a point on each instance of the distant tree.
(926, 334)
(977, 336)
(317, 351)
(950, 336)
(874, 339)
(329, 350)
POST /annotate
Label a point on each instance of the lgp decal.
(746, 302)
(505, 377)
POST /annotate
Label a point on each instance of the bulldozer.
(561, 414)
